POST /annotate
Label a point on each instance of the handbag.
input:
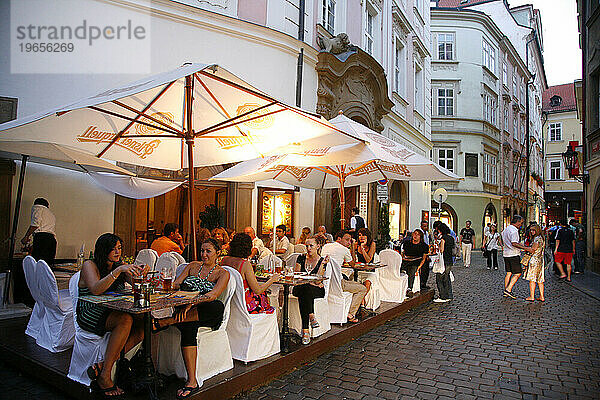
(525, 262)
(438, 265)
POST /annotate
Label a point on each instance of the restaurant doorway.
(398, 213)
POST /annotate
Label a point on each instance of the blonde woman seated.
(210, 280)
(311, 263)
(240, 249)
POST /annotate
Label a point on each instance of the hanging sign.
(382, 193)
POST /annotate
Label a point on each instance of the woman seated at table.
(257, 301)
(414, 255)
(210, 280)
(365, 253)
(311, 263)
(106, 273)
(222, 238)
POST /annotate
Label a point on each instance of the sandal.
(314, 323)
(104, 392)
(156, 326)
(93, 371)
(191, 391)
(353, 320)
(305, 337)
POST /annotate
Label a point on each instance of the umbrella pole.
(342, 202)
(11, 249)
(191, 174)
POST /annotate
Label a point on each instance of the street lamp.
(570, 158)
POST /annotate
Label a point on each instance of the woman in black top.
(313, 264)
(414, 254)
(446, 243)
(106, 273)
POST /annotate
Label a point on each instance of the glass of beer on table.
(167, 279)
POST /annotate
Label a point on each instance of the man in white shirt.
(282, 243)
(512, 254)
(258, 247)
(42, 226)
(340, 252)
(356, 222)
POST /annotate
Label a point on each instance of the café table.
(150, 377)
(365, 267)
(287, 283)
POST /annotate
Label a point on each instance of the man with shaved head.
(258, 247)
(322, 231)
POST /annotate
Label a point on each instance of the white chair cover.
(288, 252)
(338, 300)
(300, 248)
(392, 283)
(291, 260)
(168, 260)
(57, 330)
(37, 315)
(321, 310)
(167, 312)
(270, 261)
(251, 336)
(147, 257)
(179, 258)
(214, 353)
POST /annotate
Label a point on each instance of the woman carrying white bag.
(443, 263)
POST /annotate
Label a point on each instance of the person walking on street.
(564, 250)
(535, 268)
(511, 251)
(442, 280)
(467, 236)
(491, 243)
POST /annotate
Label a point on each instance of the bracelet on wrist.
(111, 274)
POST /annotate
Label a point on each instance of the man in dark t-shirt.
(414, 254)
(467, 237)
(564, 249)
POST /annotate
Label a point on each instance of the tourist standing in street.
(467, 236)
(579, 252)
(42, 226)
(442, 280)
(491, 243)
(428, 239)
(564, 250)
(512, 254)
(535, 268)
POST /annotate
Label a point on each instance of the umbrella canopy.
(375, 159)
(59, 156)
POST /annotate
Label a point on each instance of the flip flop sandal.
(314, 324)
(93, 371)
(191, 391)
(104, 392)
(353, 320)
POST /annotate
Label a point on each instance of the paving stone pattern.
(480, 345)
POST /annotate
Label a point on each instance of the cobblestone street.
(480, 345)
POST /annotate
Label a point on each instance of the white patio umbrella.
(376, 159)
(196, 115)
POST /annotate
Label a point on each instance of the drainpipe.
(584, 207)
(528, 151)
(302, 7)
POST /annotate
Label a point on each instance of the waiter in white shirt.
(42, 226)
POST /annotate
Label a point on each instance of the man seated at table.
(342, 252)
(170, 241)
(258, 247)
(282, 243)
(322, 231)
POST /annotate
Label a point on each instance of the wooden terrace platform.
(21, 352)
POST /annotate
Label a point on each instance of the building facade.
(381, 79)
(562, 128)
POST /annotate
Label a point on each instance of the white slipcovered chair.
(321, 310)
(213, 355)
(392, 283)
(291, 260)
(147, 257)
(300, 248)
(57, 330)
(338, 300)
(251, 336)
(270, 261)
(170, 260)
(37, 315)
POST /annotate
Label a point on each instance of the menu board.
(283, 212)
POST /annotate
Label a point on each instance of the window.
(445, 46)
(446, 158)
(419, 98)
(489, 108)
(522, 93)
(369, 44)
(329, 15)
(399, 68)
(471, 164)
(506, 117)
(515, 128)
(505, 74)
(514, 85)
(555, 168)
(555, 101)
(489, 56)
(490, 171)
(555, 131)
(445, 102)
(523, 132)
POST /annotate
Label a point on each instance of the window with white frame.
(445, 158)
(522, 97)
(369, 32)
(419, 97)
(522, 132)
(445, 43)
(555, 131)
(490, 171)
(489, 56)
(489, 108)
(555, 170)
(514, 85)
(329, 15)
(515, 128)
(399, 68)
(445, 101)
(506, 118)
(505, 74)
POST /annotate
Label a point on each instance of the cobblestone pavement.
(480, 345)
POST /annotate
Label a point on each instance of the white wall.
(83, 210)
(419, 195)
